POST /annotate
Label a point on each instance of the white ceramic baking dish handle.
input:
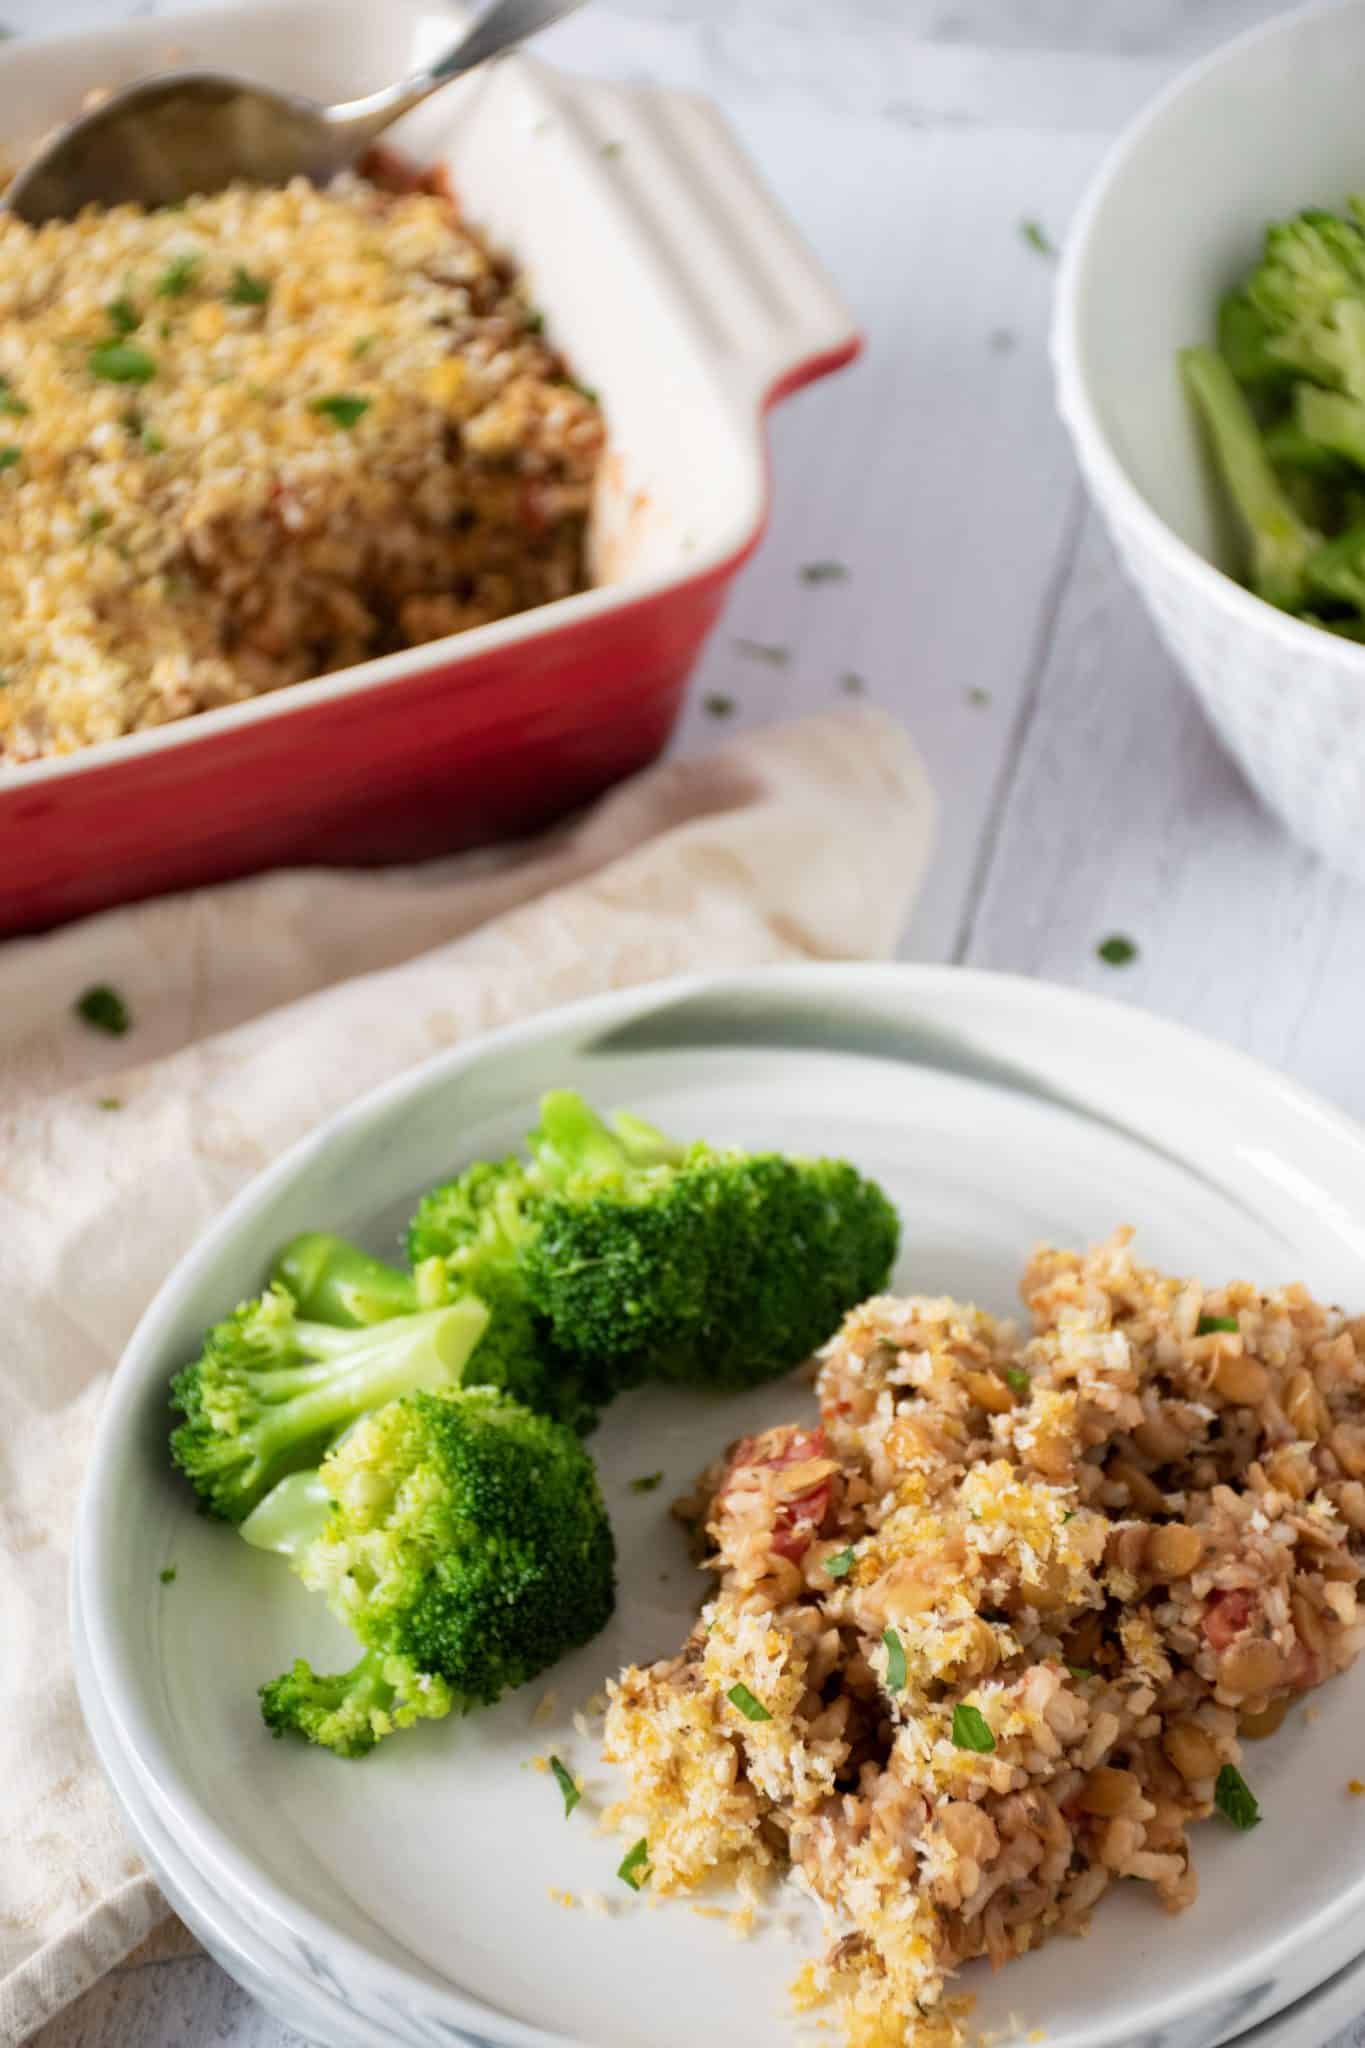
(759, 302)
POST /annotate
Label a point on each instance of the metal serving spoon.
(186, 132)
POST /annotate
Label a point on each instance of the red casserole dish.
(675, 287)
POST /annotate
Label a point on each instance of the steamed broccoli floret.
(720, 1268)
(1279, 541)
(1309, 291)
(349, 1711)
(476, 1226)
(467, 1548)
(637, 1256)
(270, 1389)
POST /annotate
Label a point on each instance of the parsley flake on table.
(646, 1483)
(771, 651)
(717, 705)
(1035, 234)
(565, 1782)
(824, 572)
(168, 1576)
(1235, 1799)
(104, 1009)
(1116, 950)
(852, 684)
(971, 1729)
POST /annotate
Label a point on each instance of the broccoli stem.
(1289, 447)
(291, 1515)
(1337, 569)
(1279, 541)
(572, 1138)
(333, 1281)
(421, 1353)
(1331, 421)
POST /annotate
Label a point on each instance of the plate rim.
(112, 1668)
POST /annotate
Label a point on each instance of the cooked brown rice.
(1101, 1557)
(260, 437)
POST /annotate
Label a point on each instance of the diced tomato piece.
(1226, 1615)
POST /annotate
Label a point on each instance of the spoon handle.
(501, 27)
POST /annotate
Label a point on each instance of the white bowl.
(413, 1889)
(1264, 127)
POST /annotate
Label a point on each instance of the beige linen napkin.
(259, 1009)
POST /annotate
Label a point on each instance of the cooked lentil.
(1022, 1687)
(260, 437)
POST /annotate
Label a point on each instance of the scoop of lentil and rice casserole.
(990, 1635)
(263, 436)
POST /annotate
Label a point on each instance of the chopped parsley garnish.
(176, 279)
(823, 572)
(752, 1709)
(1035, 234)
(9, 456)
(852, 684)
(584, 391)
(895, 1660)
(770, 651)
(152, 441)
(168, 1576)
(646, 1482)
(96, 519)
(104, 1009)
(119, 363)
(11, 403)
(109, 1102)
(978, 697)
(717, 705)
(633, 1863)
(343, 407)
(572, 1795)
(1080, 1671)
(1116, 950)
(841, 1564)
(246, 290)
(362, 344)
(971, 1729)
(1235, 1799)
(1017, 1378)
(1206, 1325)
(123, 315)
(612, 148)
(535, 320)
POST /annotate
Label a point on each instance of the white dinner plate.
(416, 1885)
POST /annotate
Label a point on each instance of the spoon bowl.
(181, 134)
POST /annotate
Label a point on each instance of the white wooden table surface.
(1082, 793)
